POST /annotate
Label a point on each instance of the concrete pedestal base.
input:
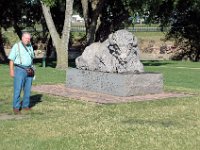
(115, 84)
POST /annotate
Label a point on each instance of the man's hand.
(12, 74)
(11, 64)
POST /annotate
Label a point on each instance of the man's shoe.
(26, 109)
(16, 111)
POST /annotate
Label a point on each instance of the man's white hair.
(26, 33)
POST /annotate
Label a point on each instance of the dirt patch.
(5, 116)
(62, 90)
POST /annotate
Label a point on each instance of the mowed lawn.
(58, 123)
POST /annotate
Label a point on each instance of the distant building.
(77, 18)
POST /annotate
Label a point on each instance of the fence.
(79, 28)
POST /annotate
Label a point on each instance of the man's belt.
(21, 66)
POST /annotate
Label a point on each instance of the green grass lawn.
(58, 123)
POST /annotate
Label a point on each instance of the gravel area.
(76, 94)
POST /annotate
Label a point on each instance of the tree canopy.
(104, 16)
(183, 18)
(17, 14)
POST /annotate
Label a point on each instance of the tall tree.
(17, 14)
(3, 57)
(91, 11)
(104, 16)
(9, 16)
(183, 17)
(60, 41)
(112, 18)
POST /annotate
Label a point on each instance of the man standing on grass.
(21, 58)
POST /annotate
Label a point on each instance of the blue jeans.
(21, 82)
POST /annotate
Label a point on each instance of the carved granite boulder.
(118, 54)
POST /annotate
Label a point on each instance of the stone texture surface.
(127, 84)
(99, 98)
(118, 54)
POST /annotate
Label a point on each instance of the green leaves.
(49, 3)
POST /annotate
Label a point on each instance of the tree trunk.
(197, 55)
(91, 12)
(60, 43)
(66, 29)
(85, 12)
(3, 57)
(17, 29)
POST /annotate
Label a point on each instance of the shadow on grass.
(35, 99)
(164, 123)
(156, 63)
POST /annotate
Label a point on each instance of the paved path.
(62, 90)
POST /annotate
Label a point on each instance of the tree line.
(101, 17)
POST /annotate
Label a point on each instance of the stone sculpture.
(113, 67)
(118, 54)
